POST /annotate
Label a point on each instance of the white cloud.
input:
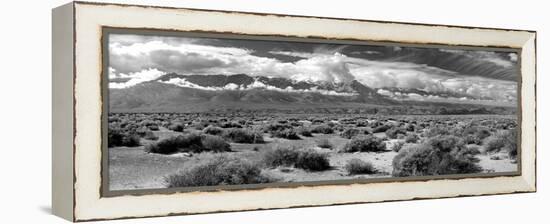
(136, 78)
(255, 85)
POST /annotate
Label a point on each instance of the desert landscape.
(165, 149)
(192, 111)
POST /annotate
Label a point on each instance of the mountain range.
(202, 93)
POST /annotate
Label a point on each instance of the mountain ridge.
(176, 93)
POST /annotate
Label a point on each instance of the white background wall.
(25, 128)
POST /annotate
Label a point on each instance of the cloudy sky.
(397, 72)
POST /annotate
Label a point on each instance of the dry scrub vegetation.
(226, 149)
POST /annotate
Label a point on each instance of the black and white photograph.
(194, 111)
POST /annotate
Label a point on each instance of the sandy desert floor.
(133, 168)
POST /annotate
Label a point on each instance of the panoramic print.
(195, 111)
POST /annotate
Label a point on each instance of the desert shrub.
(295, 124)
(439, 155)
(141, 131)
(394, 132)
(220, 170)
(324, 143)
(474, 134)
(179, 127)
(241, 135)
(322, 129)
(189, 143)
(181, 143)
(312, 161)
(280, 156)
(117, 137)
(410, 127)
(493, 144)
(411, 138)
(482, 133)
(366, 143)
(114, 137)
(397, 146)
(286, 133)
(231, 125)
(350, 133)
(470, 150)
(357, 166)
(502, 140)
(213, 130)
(212, 143)
(471, 139)
(154, 127)
(361, 123)
(276, 127)
(282, 121)
(200, 125)
(149, 135)
(304, 159)
(305, 132)
(446, 143)
(381, 128)
(437, 130)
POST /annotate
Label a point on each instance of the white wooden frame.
(77, 110)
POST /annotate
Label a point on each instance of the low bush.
(189, 143)
(324, 143)
(220, 170)
(241, 135)
(322, 129)
(149, 135)
(305, 132)
(357, 166)
(213, 143)
(141, 131)
(471, 139)
(502, 140)
(435, 131)
(213, 130)
(471, 150)
(411, 138)
(179, 127)
(280, 156)
(118, 137)
(396, 147)
(276, 127)
(180, 143)
(395, 131)
(305, 159)
(482, 133)
(439, 155)
(154, 127)
(365, 143)
(381, 128)
(231, 125)
(410, 127)
(286, 133)
(199, 125)
(350, 133)
(312, 161)
(361, 123)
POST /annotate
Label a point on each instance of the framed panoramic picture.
(163, 111)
